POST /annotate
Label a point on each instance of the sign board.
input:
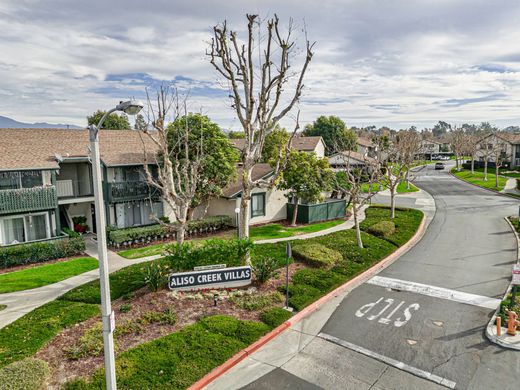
(218, 278)
(516, 275)
(205, 267)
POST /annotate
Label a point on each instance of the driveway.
(420, 323)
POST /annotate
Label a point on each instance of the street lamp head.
(130, 107)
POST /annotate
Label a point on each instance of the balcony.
(126, 191)
(73, 188)
(24, 200)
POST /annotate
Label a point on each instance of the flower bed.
(146, 234)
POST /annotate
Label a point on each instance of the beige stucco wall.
(81, 209)
(491, 142)
(320, 149)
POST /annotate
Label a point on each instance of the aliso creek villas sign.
(218, 278)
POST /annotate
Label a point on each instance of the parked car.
(439, 165)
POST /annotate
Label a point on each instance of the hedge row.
(317, 255)
(40, 251)
(129, 236)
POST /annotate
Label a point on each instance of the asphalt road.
(420, 324)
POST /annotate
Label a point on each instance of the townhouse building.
(46, 182)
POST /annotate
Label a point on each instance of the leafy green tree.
(440, 129)
(305, 177)
(274, 142)
(334, 132)
(218, 157)
(112, 122)
(232, 134)
(140, 123)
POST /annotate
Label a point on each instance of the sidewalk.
(288, 344)
(20, 303)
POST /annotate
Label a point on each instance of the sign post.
(288, 253)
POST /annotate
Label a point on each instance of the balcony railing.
(28, 199)
(73, 188)
(130, 190)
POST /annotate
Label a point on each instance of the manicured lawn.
(501, 171)
(265, 232)
(478, 179)
(28, 334)
(45, 274)
(402, 189)
(177, 360)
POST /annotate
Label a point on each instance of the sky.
(394, 63)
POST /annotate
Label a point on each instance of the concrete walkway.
(20, 303)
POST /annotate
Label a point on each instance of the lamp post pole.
(107, 314)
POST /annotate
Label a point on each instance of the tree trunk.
(295, 211)
(180, 230)
(472, 164)
(356, 223)
(191, 211)
(244, 215)
(485, 169)
(457, 162)
(392, 202)
(408, 178)
(496, 174)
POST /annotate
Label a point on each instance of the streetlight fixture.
(130, 107)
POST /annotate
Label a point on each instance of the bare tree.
(178, 162)
(485, 150)
(258, 73)
(458, 143)
(471, 148)
(352, 179)
(408, 144)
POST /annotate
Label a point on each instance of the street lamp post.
(131, 108)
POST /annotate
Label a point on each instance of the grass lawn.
(28, 334)
(501, 171)
(401, 188)
(45, 274)
(478, 179)
(265, 232)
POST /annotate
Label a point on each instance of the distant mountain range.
(8, 123)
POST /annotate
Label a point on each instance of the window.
(137, 214)
(20, 179)
(25, 228)
(258, 205)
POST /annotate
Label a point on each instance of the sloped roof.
(36, 148)
(301, 143)
(365, 142)
(259, 171)
(352, 155)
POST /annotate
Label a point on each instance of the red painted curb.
(352, 283)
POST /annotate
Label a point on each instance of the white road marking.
(436, 292)
(391, 362)
(387, 319)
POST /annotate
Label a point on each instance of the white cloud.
(396, 63)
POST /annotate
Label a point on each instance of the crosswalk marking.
(436, 292)
(391, 362)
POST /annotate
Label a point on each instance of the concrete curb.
(492, 323)
(485, 189)
(351, 284)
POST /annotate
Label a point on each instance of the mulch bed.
(189, 308)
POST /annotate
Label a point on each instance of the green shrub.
(317, 255)
(90, 344)
(275, 317)
(125, 307)
(264, 268)
(257, 301)
(27, 374)
(323, 280)
(382, 229)
(40, 251)
(245, 331)
(155, 275)
(117, 237)
(187, 256)
(302, 295)
(76, 384)
(167, 316)
(71, 233)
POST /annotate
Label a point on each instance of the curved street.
(418, 324)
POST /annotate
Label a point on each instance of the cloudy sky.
(395, 63)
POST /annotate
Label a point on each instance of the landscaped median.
(167, 339)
